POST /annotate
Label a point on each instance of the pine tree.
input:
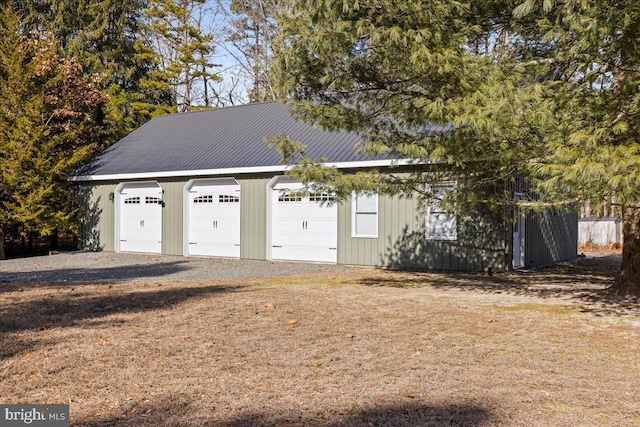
(181, 49)
(252, 29)
(104, 36)
(593, 57)
(393, 70)
(47, 127)
(541, 89)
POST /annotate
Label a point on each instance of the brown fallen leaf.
(292, 322)
(102, 342)
(349, 335)
(270, 306)
(491, 320)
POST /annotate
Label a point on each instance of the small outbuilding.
(206, 183)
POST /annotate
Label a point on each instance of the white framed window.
(441, 225)
(364, 218)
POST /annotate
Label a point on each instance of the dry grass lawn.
(364, 348)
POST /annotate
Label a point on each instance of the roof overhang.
(237, 171)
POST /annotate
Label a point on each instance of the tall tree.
(47, 127)
(593, 152)
(103, 35)
(396, 71)
(106, 43)
(181, 47)
(251, 30)
(543, 89)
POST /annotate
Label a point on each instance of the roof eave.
(237, 171)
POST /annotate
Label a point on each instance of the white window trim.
(354, 214)
(428, 216)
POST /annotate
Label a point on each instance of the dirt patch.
(356, 348)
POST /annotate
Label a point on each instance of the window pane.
(365, 215)
(367, 203)
(439, 224)
(290, 196)
(366, 224)
(442, 226)
(321, 197)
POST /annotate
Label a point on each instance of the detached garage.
(206, 183)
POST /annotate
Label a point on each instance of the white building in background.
(600, 232)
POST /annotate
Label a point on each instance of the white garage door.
(214, 218)
(140, 218)
(304, 227)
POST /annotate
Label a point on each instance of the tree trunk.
(628, 281)
(54, 244)
(2, 254)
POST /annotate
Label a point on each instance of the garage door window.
(132, 200)
(365, 215)
(291, 197)
(321, 198)
(225, 198)
(203, 199)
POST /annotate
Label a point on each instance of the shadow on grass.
(14, 280)
(73, 305)
(181, 413)
(584, 281)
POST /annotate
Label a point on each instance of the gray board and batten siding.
(400, 244)
(551, 236)
(230, 142)
(97, 228)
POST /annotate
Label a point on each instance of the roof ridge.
(226, 107)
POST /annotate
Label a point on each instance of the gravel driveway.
(80, 266)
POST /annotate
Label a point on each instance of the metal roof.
(218, 140)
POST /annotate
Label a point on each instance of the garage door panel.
(290, 232)
(140, 218)
(214, 219)
(225, 233)
(304, 253)
(140, 245)
(303, 228)
(207, 249)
